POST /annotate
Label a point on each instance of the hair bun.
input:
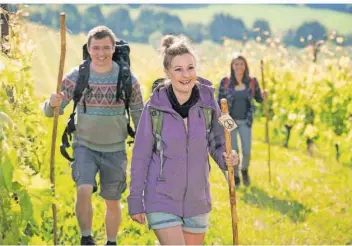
(167, 41)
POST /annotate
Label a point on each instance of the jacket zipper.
(187, 140)
(187, 146)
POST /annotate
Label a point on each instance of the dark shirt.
(223, 93)
(239, 105)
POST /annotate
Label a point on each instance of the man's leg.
(112, 219)
(84, 210)
(84, 170)
(113, 184)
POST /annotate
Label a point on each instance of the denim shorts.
(110, 165)
(195, 224)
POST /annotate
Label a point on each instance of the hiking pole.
(266, 110)
(56, 117)
(231, 181)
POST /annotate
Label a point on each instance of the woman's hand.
(140, 218)
(232, 159)
(265, 94)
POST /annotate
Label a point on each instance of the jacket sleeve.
(216, 140)
(141, 156)
(257, 92)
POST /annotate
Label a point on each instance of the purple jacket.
(204, 81)
(186, 191)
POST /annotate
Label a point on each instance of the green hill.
(280, 17)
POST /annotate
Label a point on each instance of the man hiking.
(100, 130)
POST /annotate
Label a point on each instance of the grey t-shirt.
(239, 104)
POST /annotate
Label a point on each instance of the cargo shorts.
(195, 224)
(110, 165)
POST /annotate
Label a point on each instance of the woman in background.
(239, 90)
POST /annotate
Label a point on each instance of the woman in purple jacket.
(169, 183)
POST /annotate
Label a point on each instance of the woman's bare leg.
(194, 238)
(171, 235)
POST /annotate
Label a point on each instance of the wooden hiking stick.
(231, 181)
(56, 117)
(266, 110)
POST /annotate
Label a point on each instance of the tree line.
(151, 20)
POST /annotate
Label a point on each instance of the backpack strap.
(226, 83)
(208, 117)
(81, 88)
(124, 92)
(157, 124)
(82, 85)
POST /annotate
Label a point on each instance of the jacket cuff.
(47, 109)
(135, 206)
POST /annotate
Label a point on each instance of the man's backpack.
(157, 125)
(123, 89)
(251, 85)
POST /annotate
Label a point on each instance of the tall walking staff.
(56, 117)
(266, 111)
(229, 125)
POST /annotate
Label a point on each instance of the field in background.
(294, 15)
(213, 60)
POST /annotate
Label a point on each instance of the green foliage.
(196, 32)
(92, 17)
(120, 23)
(319, 108)
(348, 40)
(150, 21)
(73, 18)
(168, 24)
(260, 31)
(51, 17)
(308, 33)
(227, 26)
(22, 147)
(36, 17)
(144, 25)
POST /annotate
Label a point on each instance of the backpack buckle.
(161, 178)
